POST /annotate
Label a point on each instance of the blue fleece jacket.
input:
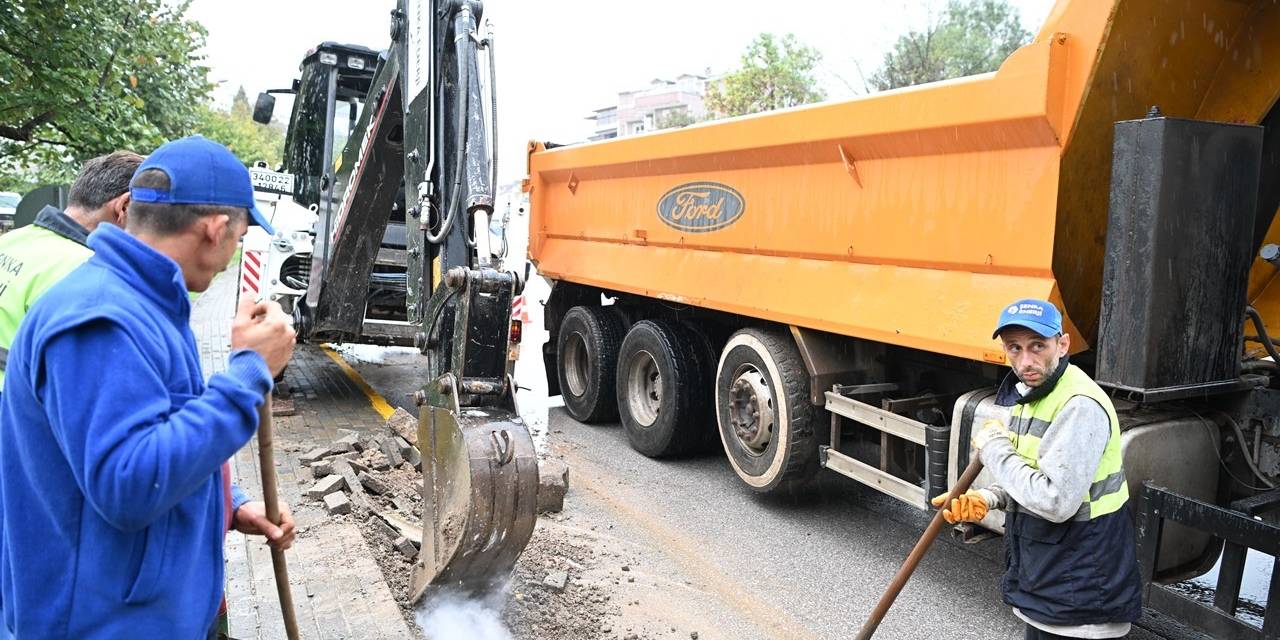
(110, 452)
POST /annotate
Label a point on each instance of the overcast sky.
(560, 59)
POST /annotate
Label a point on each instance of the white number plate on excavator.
(271, 181)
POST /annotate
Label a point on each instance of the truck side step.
(872, 477)
(934, 439)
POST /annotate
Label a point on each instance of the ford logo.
(699, 207)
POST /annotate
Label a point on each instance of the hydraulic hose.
(1263, 336)
(493, 115)
(462, 51)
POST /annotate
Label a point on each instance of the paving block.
(345, 443)
(379, 461)
(404, 447)
(326, 486)
(373, 484)
(392, 452)
(414, 458)
(352, 480)
(556, 580)
(405, 547)
(404, 424)
(385, 529)
(321, 469)
(337, 503)
(314, 455)
(553, 484)
(358, 465)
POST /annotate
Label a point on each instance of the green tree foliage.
(79, 78)
(971, 36)
(249, 140)
(776, 73)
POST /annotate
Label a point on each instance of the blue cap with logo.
(201, 171)
(1039, 316)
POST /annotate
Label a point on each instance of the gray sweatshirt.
(1069, 455)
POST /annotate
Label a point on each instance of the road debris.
(553, 484)
(337, 503)
(556, 580)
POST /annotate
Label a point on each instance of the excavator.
(393, 154)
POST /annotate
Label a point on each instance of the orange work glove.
(969, 507)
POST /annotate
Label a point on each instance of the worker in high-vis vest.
(1071, 557)
(36, 256)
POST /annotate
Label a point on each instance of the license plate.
(271, 181)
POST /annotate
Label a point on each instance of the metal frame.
(888, 424)
(872, 477)
(1240, 531)
(873, 416)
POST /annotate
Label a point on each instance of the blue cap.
(1039, 316)
(201, 171)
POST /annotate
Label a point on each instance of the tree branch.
(23, 133)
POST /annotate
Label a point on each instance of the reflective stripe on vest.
(1032, 420)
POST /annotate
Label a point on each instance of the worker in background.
(113, 489)
(36, 256)
(1072, 569)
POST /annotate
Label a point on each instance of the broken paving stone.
(378, 461)
(404, 424)
(389, 533)
(358, 465)
(314, 455)
(414, 458)
(326, 486)
(373, 484)
(321, 469)
(345, 443)
(553, 484)
(404, 447)
(337, 503)
(348, 473)
(391, 451)
(405, 547)
(556, 580)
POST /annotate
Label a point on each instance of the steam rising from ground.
(456, 616)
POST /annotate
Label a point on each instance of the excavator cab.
(418, 167)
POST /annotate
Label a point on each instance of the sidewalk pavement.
(338, 589)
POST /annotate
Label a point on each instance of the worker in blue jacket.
(113, 492)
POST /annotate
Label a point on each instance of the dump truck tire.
(662, 389)
(709, 434)
(587, 361)
(766, 422)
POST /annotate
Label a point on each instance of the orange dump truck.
(817, 287)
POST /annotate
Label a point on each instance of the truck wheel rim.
(576, 364)
(751, 410)
(644, 388)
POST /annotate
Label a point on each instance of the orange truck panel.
(912, 216)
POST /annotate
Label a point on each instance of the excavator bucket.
(480, 493)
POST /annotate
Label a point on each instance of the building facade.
(662, 104)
